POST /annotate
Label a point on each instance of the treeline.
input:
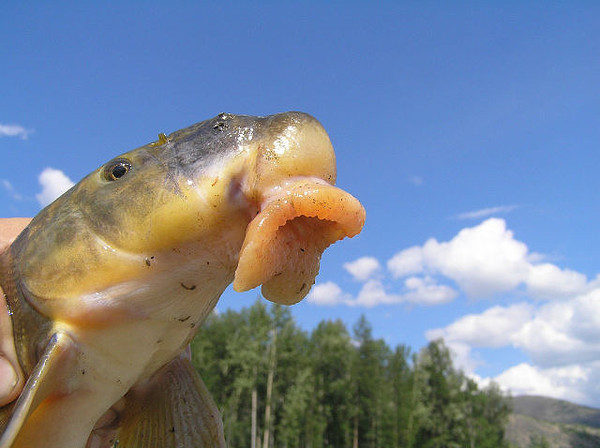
(277, 386)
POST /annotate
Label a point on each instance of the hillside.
(560, 423)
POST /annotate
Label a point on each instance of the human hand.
(11, 375)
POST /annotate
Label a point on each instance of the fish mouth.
(284, 242)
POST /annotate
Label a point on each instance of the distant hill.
(556, 411)
(560, 423)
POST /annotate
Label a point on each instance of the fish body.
(108, 284)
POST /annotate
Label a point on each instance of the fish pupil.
(117, 170)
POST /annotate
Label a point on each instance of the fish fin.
(172, 409)
(41, 384)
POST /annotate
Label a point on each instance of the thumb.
(10, 382)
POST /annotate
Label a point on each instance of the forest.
(279, 386)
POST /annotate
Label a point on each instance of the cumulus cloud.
(373, 293)
(552, 335)
(363, 268)
(548, 280)
(407, 262)
(54, 183)
(416, 290)
(486, 212)
(561, 338)
(485, 260)
(14, 130)
(561, 333)
(327, 294)
(482, 260)
(564, 382)
(494, 327)
(425, 291)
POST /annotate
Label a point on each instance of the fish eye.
(117, 169)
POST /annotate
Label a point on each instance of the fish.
(107, 286)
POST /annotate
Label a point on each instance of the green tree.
(368, 373)
(291, 378)
(332, 354)
(443, 426)
(231, 352)
(276, 387)
(397, 407)
(538, 442)
(490, 412)
(455, 412)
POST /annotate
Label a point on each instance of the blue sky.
(470, 132)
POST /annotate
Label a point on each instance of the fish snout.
(300, 211)
(292, 145)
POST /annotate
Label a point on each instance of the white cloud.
(406, 262)
(486, 212)
(14, 130)
(494, 327)
(569, 383)
(547, 280)
(562, 333)
(421, 291)
(552, 335)
(373, 293)
(562, 339)
(54, 183)
(482, 260)
(485, 260)
(327, 294)
(425, 291)
(363, 268)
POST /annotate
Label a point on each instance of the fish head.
(248, 199)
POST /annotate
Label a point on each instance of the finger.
(10, 229)
(9, 382)
(11, 376)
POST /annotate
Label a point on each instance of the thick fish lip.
(297, 221)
